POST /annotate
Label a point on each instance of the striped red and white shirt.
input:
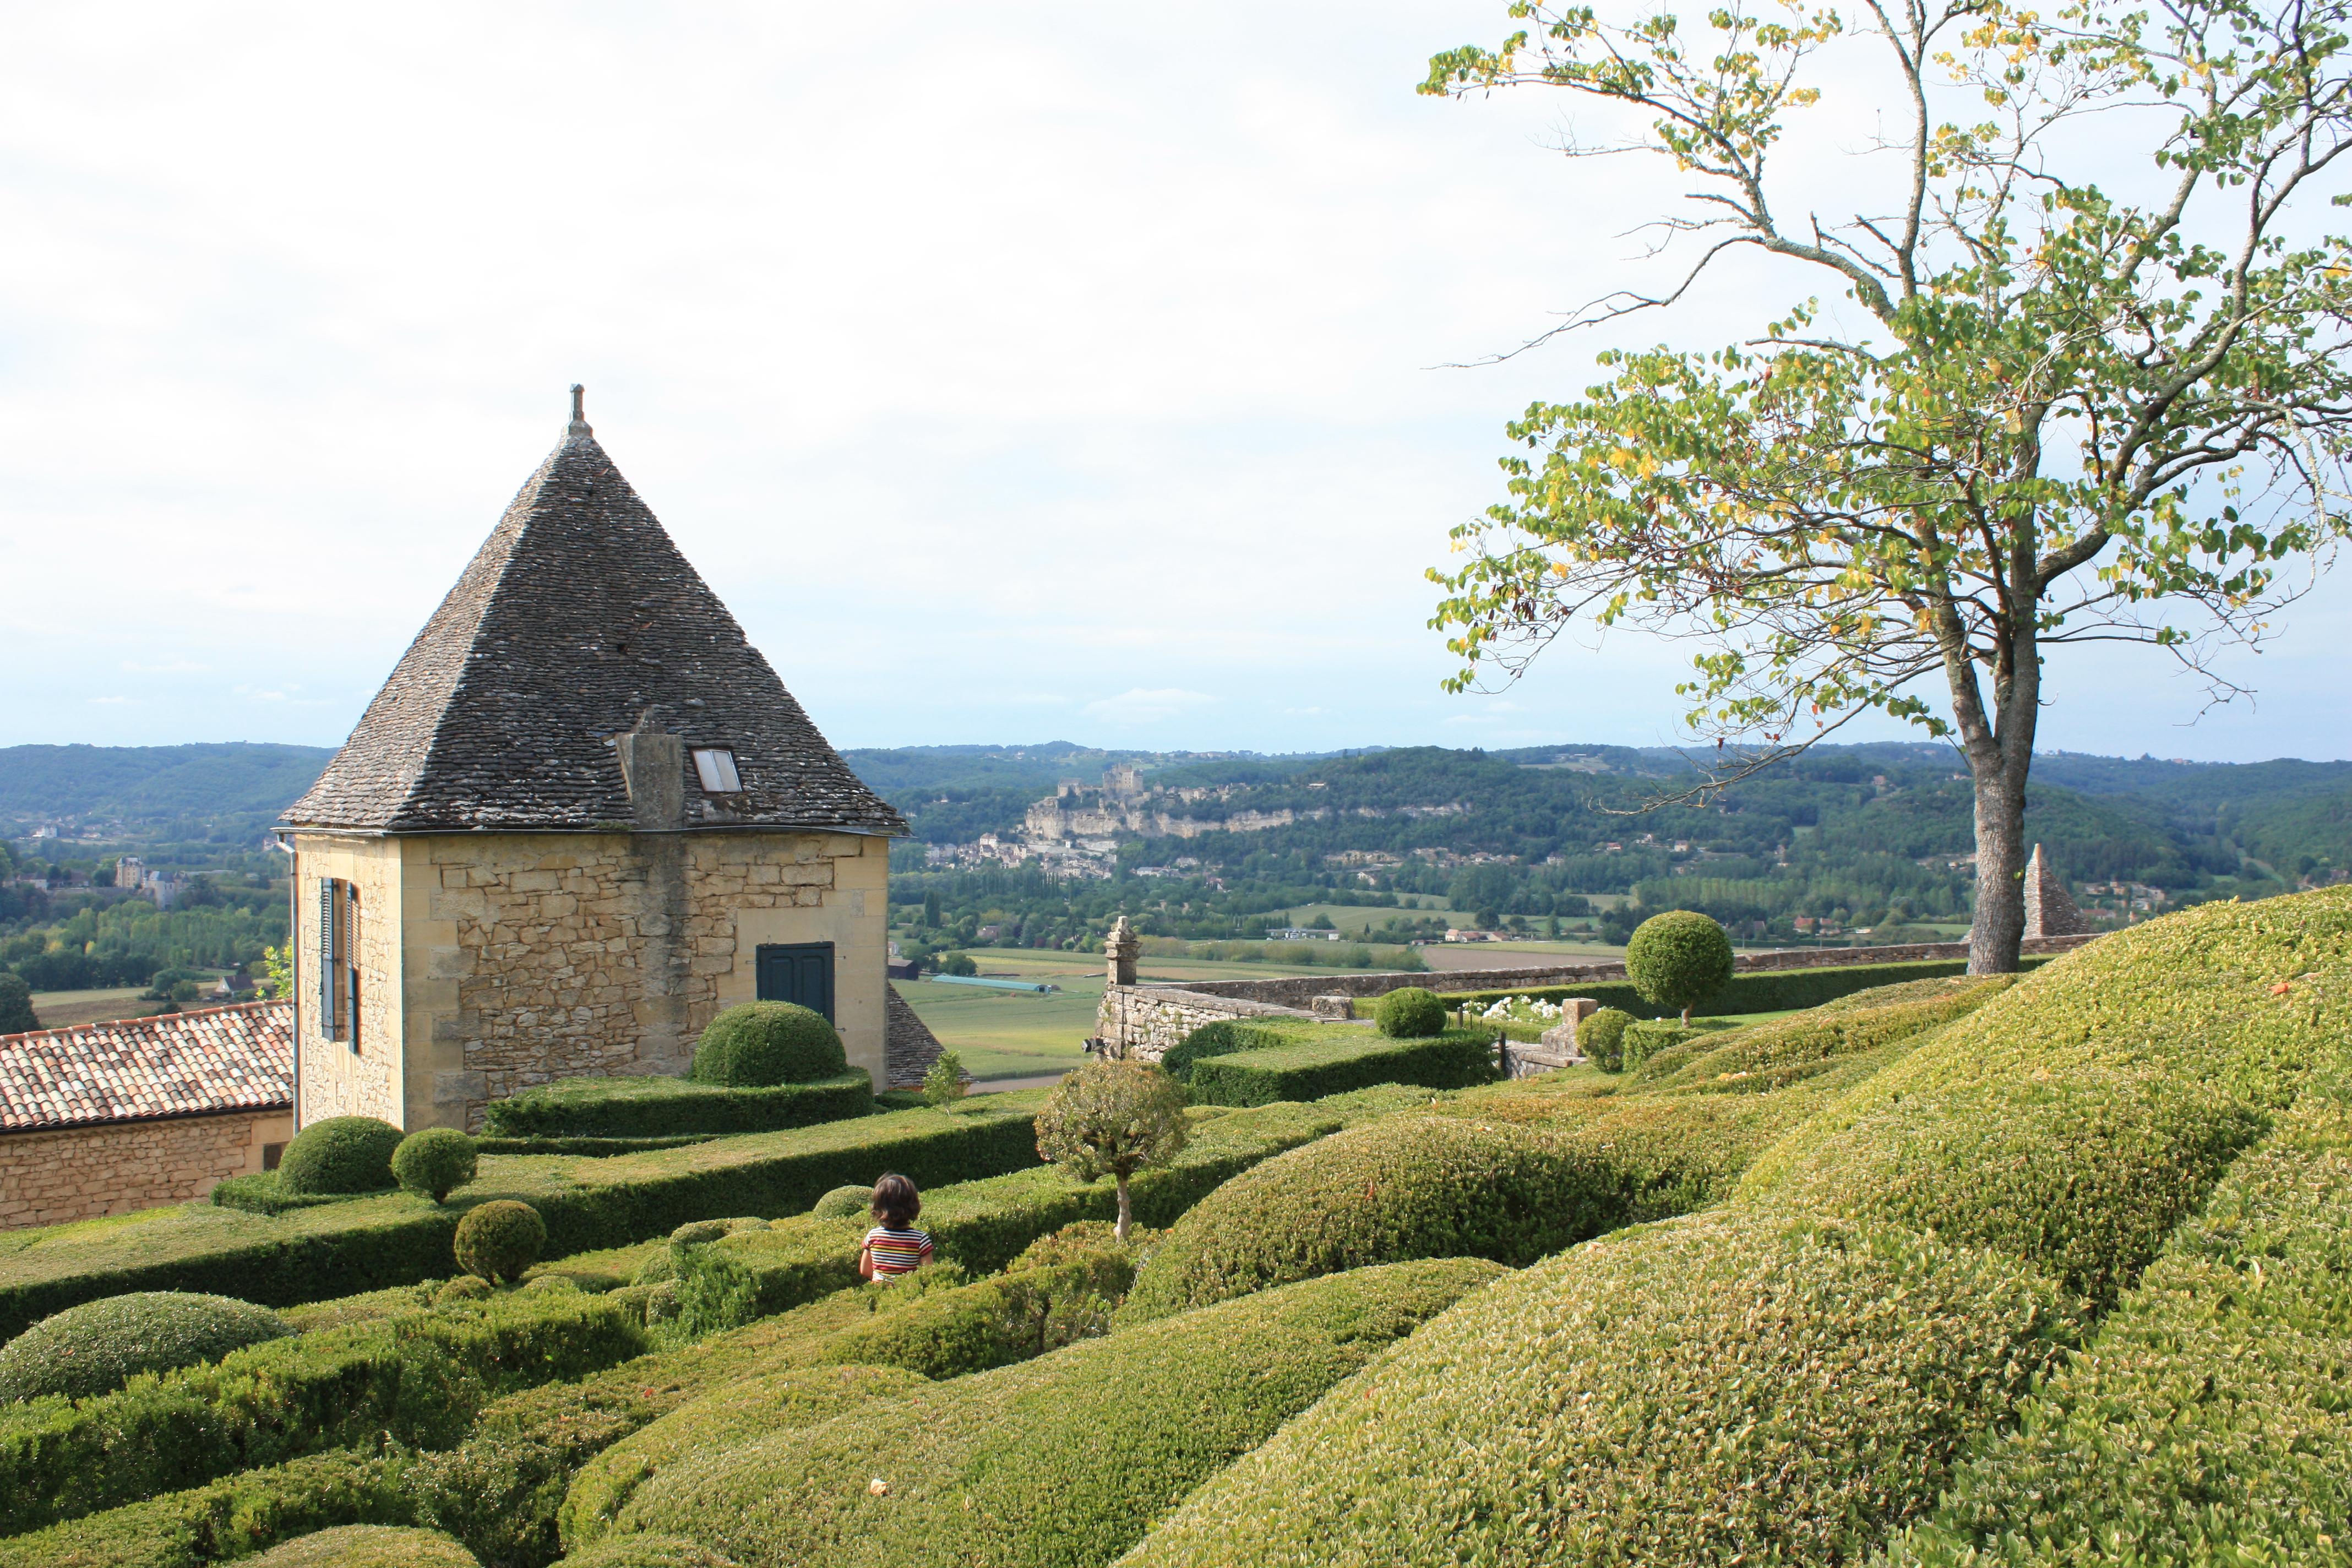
(897, 1252)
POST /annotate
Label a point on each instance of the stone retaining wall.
(1145, 1020)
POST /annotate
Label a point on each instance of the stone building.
(582, 817)
(108, 1118)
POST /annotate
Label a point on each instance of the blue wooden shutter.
(327, 1019)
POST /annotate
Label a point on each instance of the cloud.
(1139, 705)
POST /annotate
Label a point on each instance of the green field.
(64, 1009)
(1005, 1034)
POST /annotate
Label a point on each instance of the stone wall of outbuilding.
(525, 957)
(82, 1173)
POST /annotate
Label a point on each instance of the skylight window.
(715, 766)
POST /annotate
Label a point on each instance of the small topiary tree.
(17, 1014)
(498, 1240)
(1112, 1118)
(944, 1084)
(434, 1162)
(758, 1045)
(1601, 1039)
(96, 1347)
(1411, 1013)
(1678, 960)
(1221, 1038)
(340, 1154)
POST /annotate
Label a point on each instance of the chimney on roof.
(579, 412)
(652, 767)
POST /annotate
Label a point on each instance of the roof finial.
(579, 412)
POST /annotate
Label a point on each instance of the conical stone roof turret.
(2050, 909)
(577, 620)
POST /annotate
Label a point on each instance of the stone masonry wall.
(534, 957)
(336, 1078)
(1142, 1018)
(82, 1173)
(495, 961)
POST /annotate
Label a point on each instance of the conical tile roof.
(579, 619)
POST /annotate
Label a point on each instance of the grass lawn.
(64, 1009)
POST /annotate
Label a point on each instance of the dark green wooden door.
(798, 972)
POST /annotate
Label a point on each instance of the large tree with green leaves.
(2057, 411)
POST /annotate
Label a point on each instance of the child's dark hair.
(896, 1202)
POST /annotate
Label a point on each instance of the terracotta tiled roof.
(198, 1063)
(579, 620)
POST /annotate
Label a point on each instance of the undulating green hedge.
(1709, 1389)
(419, 1378)
(98, 1346)
(666, 1107)
(1793, 1375)
(365, 1244)
(1340, 1059)
(1064, 1460)
(1771, 991)
(982, 1224)
(597, 1148)
(368, 1546)
(231, 1517)
(1504, 1173)
(2207, 1422)
(499, 1489)
(1771, 1055)
(751, 1408)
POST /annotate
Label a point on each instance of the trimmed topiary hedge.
(1499, 1174)
(1795, 1376)
(342, 1155)
(1345, 1058)
(419, 1376)
(1678, 959)
(499, 1490)
(2206, 1423)
(434, 1162)
(1763, 991)
(231, 1517)
(365, 1244)
(96, 1347)
(1414, 1013)
(760, 1045)
(635, 1108)
(1709, 1388)
(368, 1546)
(498, 1240)
(1221, 1038)
(1064, 1460)
(1601, 1037)
(647, 1551)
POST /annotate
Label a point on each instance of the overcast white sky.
(1014, 371)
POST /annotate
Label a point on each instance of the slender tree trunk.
(1998, 744)
(1123, 1211)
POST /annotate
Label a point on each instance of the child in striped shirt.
(894, 1247)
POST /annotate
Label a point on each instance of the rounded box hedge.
(340, 1154)
(98, 1346)
(760, 1045)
